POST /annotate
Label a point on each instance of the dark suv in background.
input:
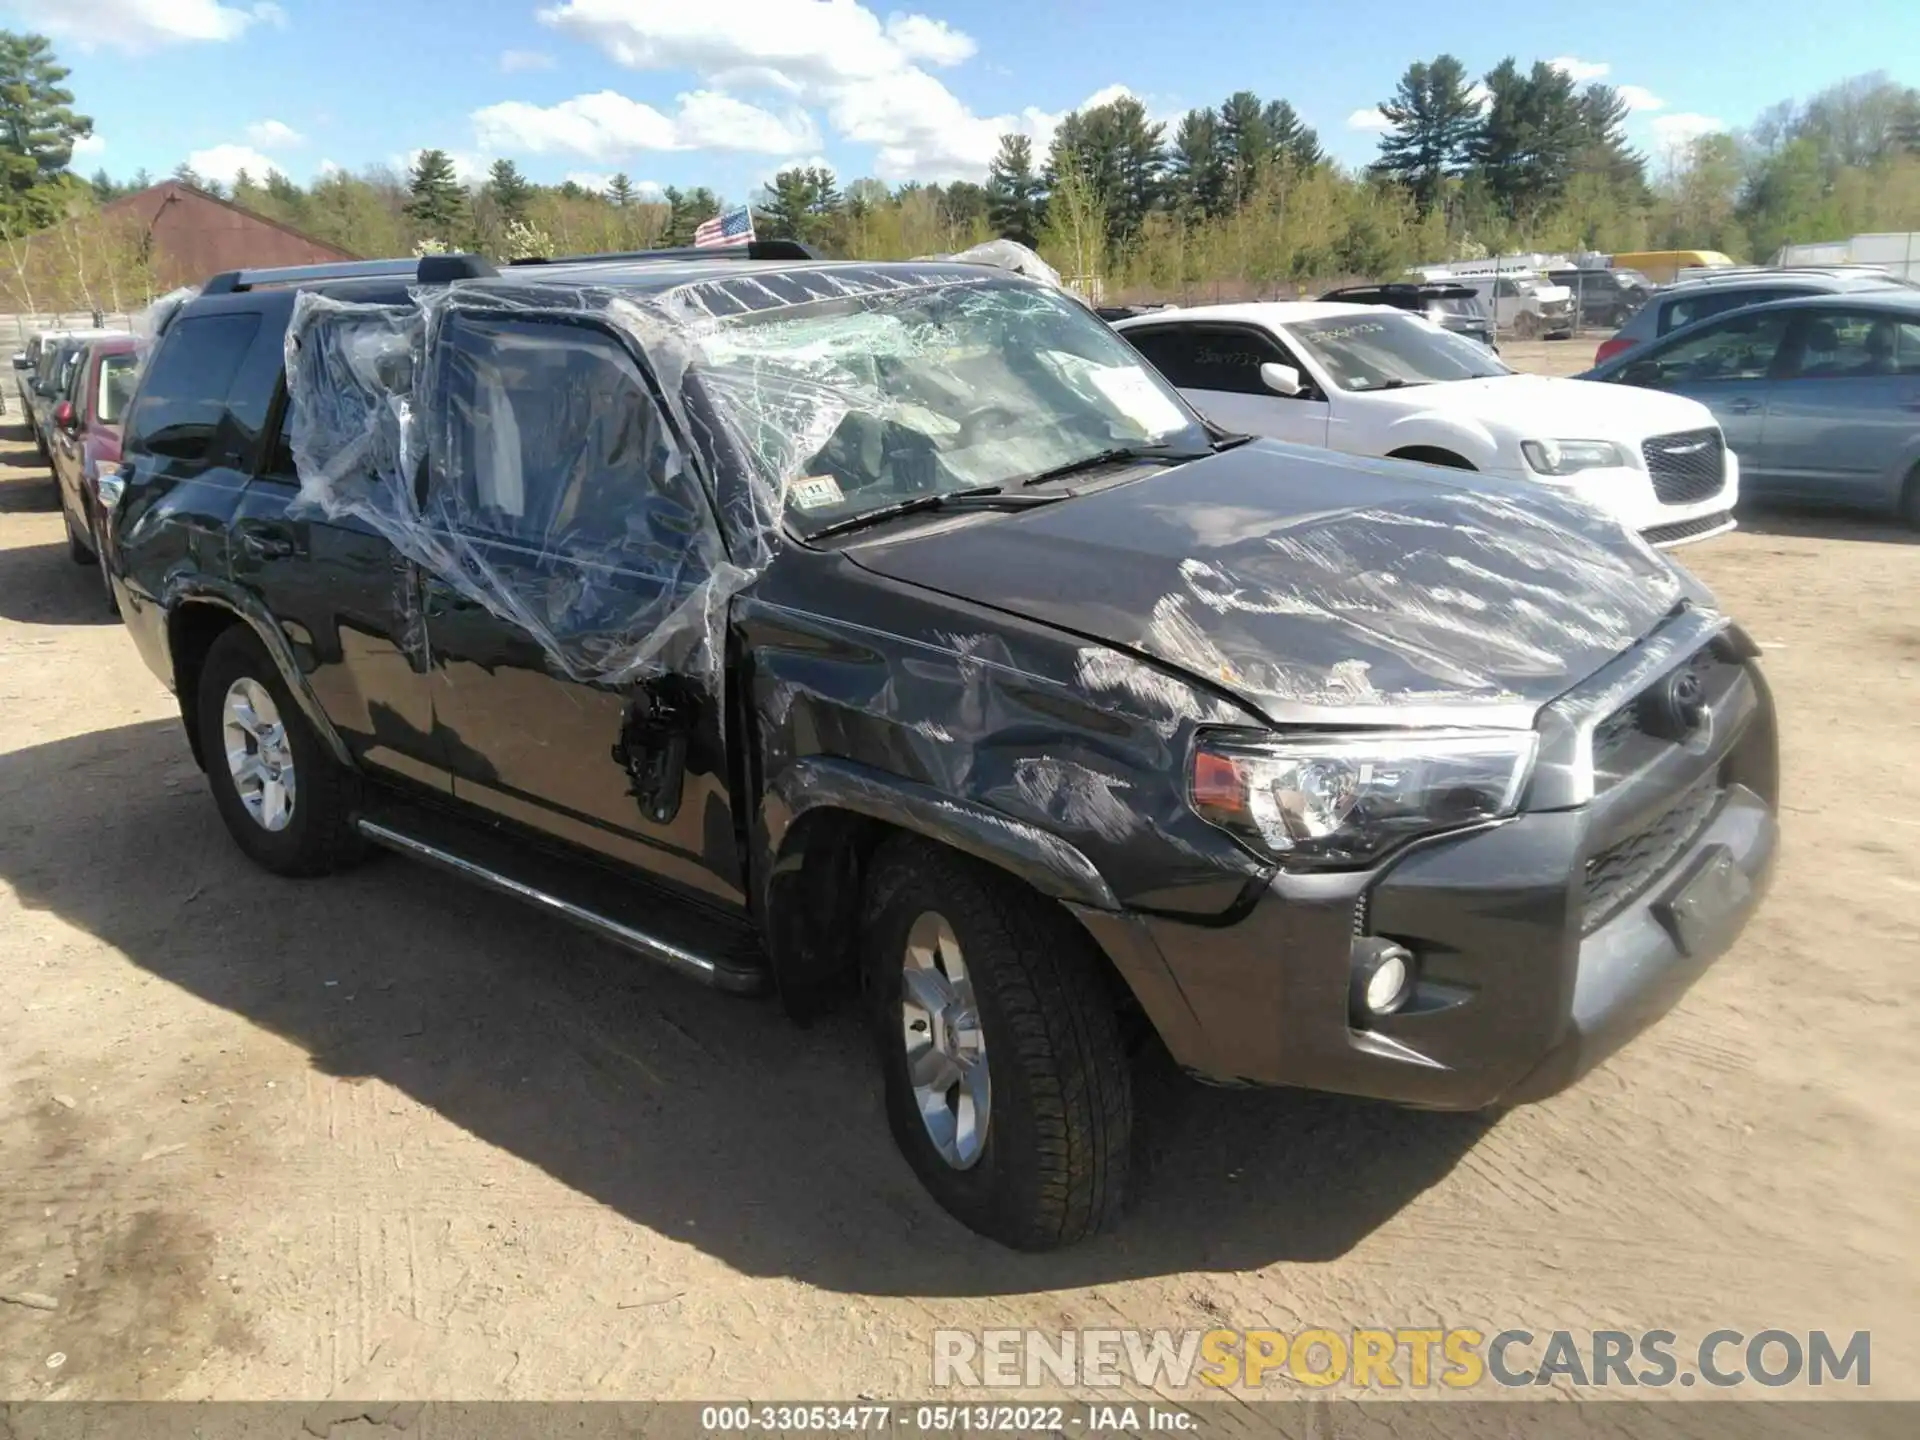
(894, 629)
(1603, 295)
(1458, 308)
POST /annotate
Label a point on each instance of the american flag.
(733, 228)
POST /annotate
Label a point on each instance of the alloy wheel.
(945, 1045)
(259, 757)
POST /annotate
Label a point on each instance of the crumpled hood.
(1312, 585)
(1547, 407)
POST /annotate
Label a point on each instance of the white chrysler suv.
(1369, 381)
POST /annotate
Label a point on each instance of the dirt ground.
(384, 1136)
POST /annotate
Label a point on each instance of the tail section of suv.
(1452, 307)
(1716, 292)
(893, 630)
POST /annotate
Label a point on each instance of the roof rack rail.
(427, 270)
(752, 250)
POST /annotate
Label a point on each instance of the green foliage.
(1015, 205)
(1431, 122)
(801, 204)
(1197, 166)
(439, 202)
(509, 191)
(620, 190)
(38, 128)
(1119, 155)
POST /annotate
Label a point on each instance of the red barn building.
(192, 234)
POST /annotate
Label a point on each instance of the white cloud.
(1580, 71)
(90, 145)
(606, 126)
(512, 62)
(1683, 127)
(329, 167)
(223, 162)
(1370, 118)
(589, 179)
(1480, 95)
(274, 135)
(134, 25)
(816, 41)
(868, 76)
(1638, 97)
(934, 41)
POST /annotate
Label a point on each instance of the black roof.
(766, 275)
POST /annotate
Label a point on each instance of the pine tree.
(620, 190)
(1014, 206)
(439, 203)
(509, 190)
(38, 128)
(783, 214)
(1244, 142)
(1524, 149)
(1118, 155)
(1431, 122)
(1197, 167)
(1290, 140)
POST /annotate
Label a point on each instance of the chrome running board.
(722, 975)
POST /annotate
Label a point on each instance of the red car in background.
(86, 437)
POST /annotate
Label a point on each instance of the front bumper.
(1626, 492)
(1536, 959)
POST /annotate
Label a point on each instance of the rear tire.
(295, 816)
(1047, 1165)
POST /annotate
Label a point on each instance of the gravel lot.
(384, 1136)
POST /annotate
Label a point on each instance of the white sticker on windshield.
(1135, 393)
(815, 492)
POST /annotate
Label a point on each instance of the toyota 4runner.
(892, 628)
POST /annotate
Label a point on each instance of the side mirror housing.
(63, 415)
(20, 360)
(1281, 379)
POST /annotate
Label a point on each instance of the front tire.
(1526, 325)
(1910, 499)
(1007, 1083)
(286, 801)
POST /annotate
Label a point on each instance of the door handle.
(1743, 406)
(266, 544)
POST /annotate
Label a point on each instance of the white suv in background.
(1369, 381)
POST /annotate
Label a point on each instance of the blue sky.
(674, 92)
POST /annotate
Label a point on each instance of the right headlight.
(1327, 801)
(1569, 457)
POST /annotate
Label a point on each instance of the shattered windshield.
(862, 403)
(1389, 351)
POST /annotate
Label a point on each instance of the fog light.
(1383, 975)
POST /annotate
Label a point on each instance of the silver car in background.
(1818, 396)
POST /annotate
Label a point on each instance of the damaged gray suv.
(894, 630)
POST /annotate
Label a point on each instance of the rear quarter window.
(183, 398)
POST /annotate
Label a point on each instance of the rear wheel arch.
(197, 619)
(192, 628)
